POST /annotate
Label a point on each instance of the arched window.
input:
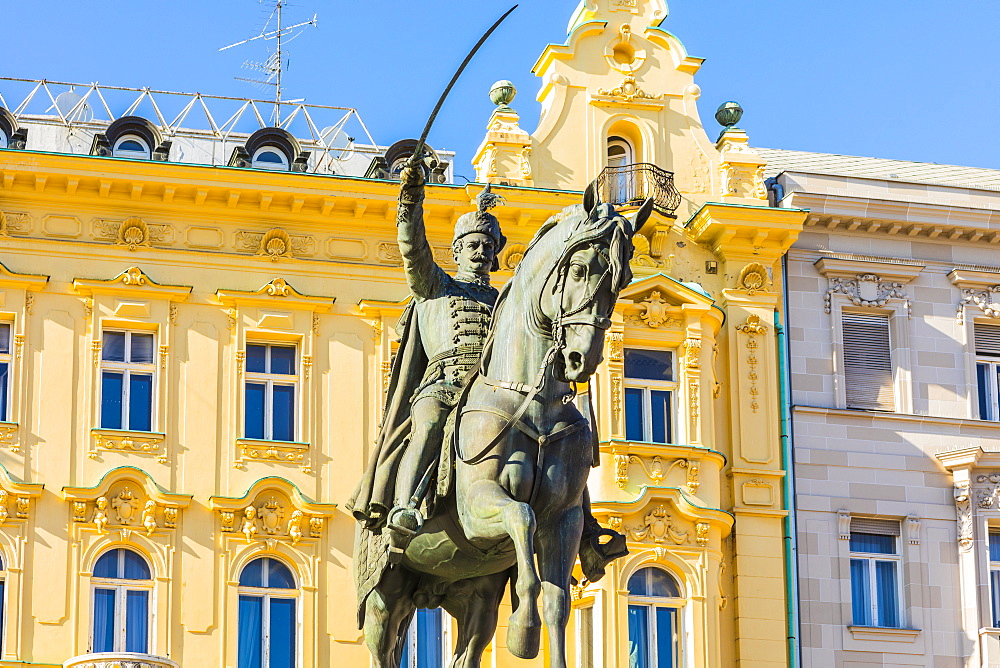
(122, 589)
(426, 641)
(270, 157)
(620, 152)
(267, 615)
(3, 139)
(131, 146)
(653, 605)
(621, 183)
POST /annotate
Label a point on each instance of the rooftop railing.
(333, 133)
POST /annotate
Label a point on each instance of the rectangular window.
(425, 640)
(995, 577)
(649, 391)
(987, 341)
(5, 337)
(652, 637)
(868, 380)
(128, 374)
(585, 621)
(270, 391)
(875, 573)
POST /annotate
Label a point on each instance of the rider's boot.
(596, 554)
(403, 523)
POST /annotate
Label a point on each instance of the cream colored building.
(894, 332)
(194, 358)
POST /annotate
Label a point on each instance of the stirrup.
(403, 523)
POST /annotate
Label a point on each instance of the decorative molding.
(275, 244)
(112, 440)
(752, 327)
(701, 533)
(8, 436)
(617, 383)
(273, 510)
(867, 290)
(20, 505)
(692, 352)
(18, 346)
(986, 300)
(963, 509)
(844, 524)
(512, 255)
(654, 312)
(616, 346)
(29, 303)
(284, 452)
(753, 279)
(913, 529)
(629, 90)
(127, 500)
(658, 527)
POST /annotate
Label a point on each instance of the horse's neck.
(518, 348)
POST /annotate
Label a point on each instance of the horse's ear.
(642, 215)
(590, 197)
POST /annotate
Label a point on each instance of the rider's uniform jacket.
(453, 314)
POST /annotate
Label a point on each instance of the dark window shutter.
(868, 361)
(874, 526)
(987, 339)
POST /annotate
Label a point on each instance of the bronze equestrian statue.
(481, 443)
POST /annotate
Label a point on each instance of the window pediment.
(134, 282)
(272, 510)
(277, 293)
(126, 500)
(29, 282)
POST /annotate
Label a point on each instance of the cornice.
(135, 282)
(276, 293)
(741, 231)
(887, 270)
(868, 215)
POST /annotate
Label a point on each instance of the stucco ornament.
(654, 311)
(866, 290)
(658, 526)
(629, 90)
(275, 244)
(125, 505)
(963, 508)
(753, 278)
(133, 233)
(249, 527)
(271, 514)
(149, 517)
(987, 301)
(101, 514)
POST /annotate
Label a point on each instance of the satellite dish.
(338, 141)
(67, 103)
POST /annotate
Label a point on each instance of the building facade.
(196, 332)
(893, 332)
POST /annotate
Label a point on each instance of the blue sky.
(880, 78)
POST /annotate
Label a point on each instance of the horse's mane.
(574, 227)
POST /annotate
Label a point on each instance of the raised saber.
(419, 148)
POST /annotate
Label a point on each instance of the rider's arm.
(422, 272)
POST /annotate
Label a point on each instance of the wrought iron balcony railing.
(631, 185)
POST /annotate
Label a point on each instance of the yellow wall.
(192, 271)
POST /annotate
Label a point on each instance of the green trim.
(788, 492)
(687, 286)
(131, 468)
(684, 495)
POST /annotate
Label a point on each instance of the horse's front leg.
(556, 556)
(489, 512)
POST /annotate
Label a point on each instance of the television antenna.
(273, 67)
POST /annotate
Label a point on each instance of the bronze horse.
(522, 453)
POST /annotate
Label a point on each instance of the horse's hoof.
(524, 641)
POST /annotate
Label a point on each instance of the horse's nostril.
(575, 358)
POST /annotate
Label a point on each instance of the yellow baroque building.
(193, 359)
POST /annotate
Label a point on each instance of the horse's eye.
(578, 271)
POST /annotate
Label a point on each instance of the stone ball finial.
(502, 94)
(729, 114)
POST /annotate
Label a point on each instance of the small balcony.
(631, 185)
(119, 660)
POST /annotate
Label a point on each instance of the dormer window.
(3, 139)
(131, 146)
(270, 157)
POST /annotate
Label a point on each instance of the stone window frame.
(972, 283)
(120, 585)
(276, 313)
(691, 589)
(862, 638)
(135, 302)
(888, 273)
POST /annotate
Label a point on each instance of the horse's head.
(592, 247)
